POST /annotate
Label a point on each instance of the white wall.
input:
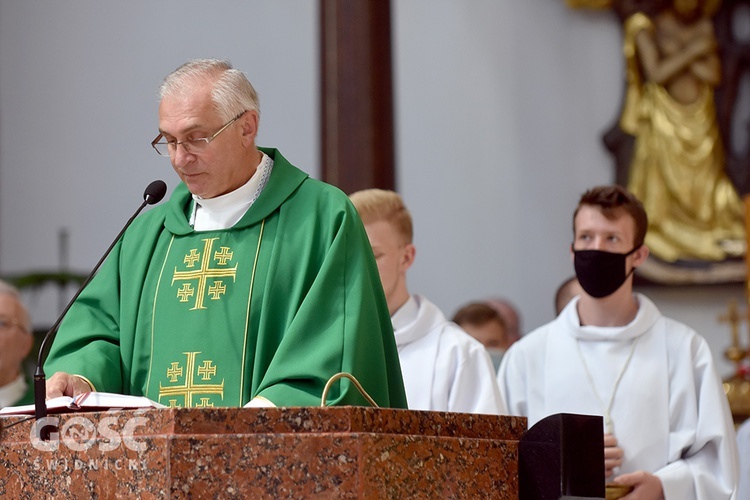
(500, 106)
(78, 110)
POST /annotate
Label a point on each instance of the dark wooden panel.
(357, 94)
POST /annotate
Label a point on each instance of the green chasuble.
(28, 397)
(272, 307)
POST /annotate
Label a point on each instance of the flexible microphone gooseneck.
(153, 194)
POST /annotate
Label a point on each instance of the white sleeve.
(705, 464)
(743, 444)
(474, 388)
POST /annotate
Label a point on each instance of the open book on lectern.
(87, 401)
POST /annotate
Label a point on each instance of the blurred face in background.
(15, 337)
(393, 257)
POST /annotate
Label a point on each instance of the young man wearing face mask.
(668, 431)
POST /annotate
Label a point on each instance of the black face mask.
(601, 273)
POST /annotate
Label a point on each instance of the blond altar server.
(610, 352)
(444, 368)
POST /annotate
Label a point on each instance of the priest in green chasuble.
(252, 286)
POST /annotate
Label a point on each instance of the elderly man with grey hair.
(15, 343)
(252, 286)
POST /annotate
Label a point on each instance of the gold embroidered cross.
(217, 290)
(223, 256)
(204, 273)
(185, 292)
(174, 372)
(207, 370)
(190, 389)
(192, 257)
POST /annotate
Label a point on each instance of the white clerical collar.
(11, 393)
(223, 212)
(647, 315)
(406, 314)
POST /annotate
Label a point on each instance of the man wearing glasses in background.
(16, 340)
(252, 286)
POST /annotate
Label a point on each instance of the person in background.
(252, 286)
(565, 292)
(16, 340)
(743, 443)
(485, 324)
(668, 431)
(444, 368)
(512, 318)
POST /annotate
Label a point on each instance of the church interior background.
(504, 112)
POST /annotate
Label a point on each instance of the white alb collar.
(643, 321)
(223, 212)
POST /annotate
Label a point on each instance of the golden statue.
(677, 169)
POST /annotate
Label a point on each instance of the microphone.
(153, 194)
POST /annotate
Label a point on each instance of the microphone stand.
(153, 194)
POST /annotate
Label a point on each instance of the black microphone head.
(155, 192)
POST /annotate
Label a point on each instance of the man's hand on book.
(65, 384)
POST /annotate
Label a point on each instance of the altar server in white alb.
(444, 368)
(743, 444)
(668, 428)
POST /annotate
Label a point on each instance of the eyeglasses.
(192, 146)
(7, 324)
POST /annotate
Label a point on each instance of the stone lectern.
(335, 452)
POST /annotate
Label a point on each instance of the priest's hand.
(612, 455)
(65, 384)
(645, 485)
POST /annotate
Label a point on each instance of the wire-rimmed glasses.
(192, 146)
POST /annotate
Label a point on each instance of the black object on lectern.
(562, 457)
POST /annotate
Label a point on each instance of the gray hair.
(232, 92)
(8, 289)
